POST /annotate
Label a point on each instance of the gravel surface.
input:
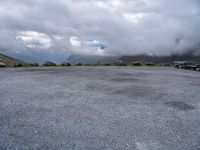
(95, 108)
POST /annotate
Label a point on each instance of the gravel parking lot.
(95, 108)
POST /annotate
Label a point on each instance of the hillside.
(91, 59)
(10, 61)
(160, 59)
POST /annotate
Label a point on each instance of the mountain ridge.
(160, 59)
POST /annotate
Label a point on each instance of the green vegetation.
(79, 64)
(33, 64)
(26, 65)
(120, 63)
(149, 64)
(18, 65)
(117, 63)
(137, 63)
(65, 63)
(49, 63)
(107, 64)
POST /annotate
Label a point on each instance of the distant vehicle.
(182, 64)
(191, 67)
(198, 67)
(187, 65)
(2, 64)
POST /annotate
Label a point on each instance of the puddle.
(180, 105)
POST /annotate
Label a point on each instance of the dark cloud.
(124, 27)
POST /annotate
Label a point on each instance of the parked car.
(182, 64)
(2, 64)
(198, 67)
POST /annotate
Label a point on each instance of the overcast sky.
(113, 27)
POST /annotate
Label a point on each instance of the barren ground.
(83, 108)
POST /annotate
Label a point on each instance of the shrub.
(65, 63)
(34, 64)
(49, 63)
(79, 64)
(107, 64)
(18, 65)
(165, 64)
(149, 64)
(120, 63)
(137, 63)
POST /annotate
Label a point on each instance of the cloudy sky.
(99, 27)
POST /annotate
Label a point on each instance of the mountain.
(36, 56)
(160, 59)
(10, 61)
(92, 59)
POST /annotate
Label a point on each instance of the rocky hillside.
(10, 61)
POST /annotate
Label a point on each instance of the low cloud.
(103, 27)
(35, 39)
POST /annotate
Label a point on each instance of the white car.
(2, 64)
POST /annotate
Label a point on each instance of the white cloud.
(58, 37)
(109, 5)
(126, 27)
(75, 42)
(134, 18)
(100, 51)
(35, 39)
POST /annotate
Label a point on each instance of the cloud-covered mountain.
(35, 56)
(101, 27)
(92, 59)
